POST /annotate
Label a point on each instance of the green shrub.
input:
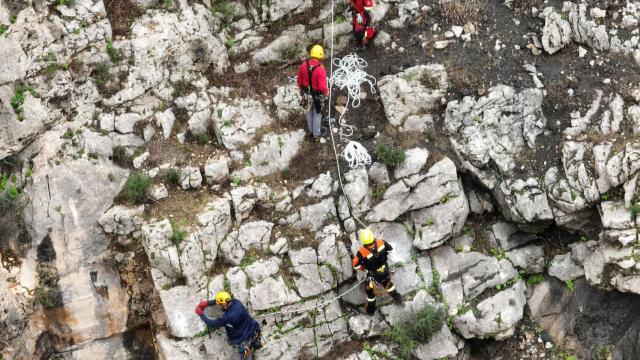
(389, 154)
(634, 209)
(136, 187)
(570, 285)
(419, 329)
(286, 172)
(19, 96)
(429, 321)
(100, 75)
(177, 235)
(400, 335)
(46, 296)
(498, 253)
(172, 177)
(225, 10)
(201, 138)
(3, 29)
(535, 279)
(114, 54)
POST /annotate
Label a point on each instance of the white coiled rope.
(350, 75)
(356, 155)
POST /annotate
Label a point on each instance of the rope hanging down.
(350, 75)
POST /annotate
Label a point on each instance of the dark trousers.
(247, 347)
(385, 280)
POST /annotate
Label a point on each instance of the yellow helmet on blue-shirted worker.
(366, 236)
(317, 52)
(223, 297)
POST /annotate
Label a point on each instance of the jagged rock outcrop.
(410, 96)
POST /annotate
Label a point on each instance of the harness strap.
(310, 70)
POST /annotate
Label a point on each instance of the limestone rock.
(282, 46)
(357, 190)
(163, 255)
(415, 91)
(181, 320)
(270, 293)
(312, 279)
(272, 154)
(415, 159)
(564, 268)
(523, 201)
(236, 121)
(556, 32)
(165, 120)
(442, 344)
(124, 123)
(489, 132)
(190, 177)
(417, 192)
(216, 170)
(508, 236)
(528, 258)
(243, 199)
(379, 174)
(436, 224)
(398, 237)
(312, 217)
(120, 220)
(464, 276)
(496, 316)
(287, 102)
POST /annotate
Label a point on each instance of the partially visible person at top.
(312, 81)
(363, 29)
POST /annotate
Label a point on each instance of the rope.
(350, 75)
(317, 306)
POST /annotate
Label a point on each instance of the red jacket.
(318, 77)
(358, 6)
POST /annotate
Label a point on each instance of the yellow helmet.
(317, 52)
(366, 236)
(222, 297)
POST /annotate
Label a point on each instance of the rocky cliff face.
(153, 153)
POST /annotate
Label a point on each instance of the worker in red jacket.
(363, 28)
(312, 81)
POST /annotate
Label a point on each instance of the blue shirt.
(236, 321)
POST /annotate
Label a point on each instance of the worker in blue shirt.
(242, 330)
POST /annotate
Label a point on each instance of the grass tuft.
(419, 329)
(136, 187)
(389, 154)
(172, 177)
